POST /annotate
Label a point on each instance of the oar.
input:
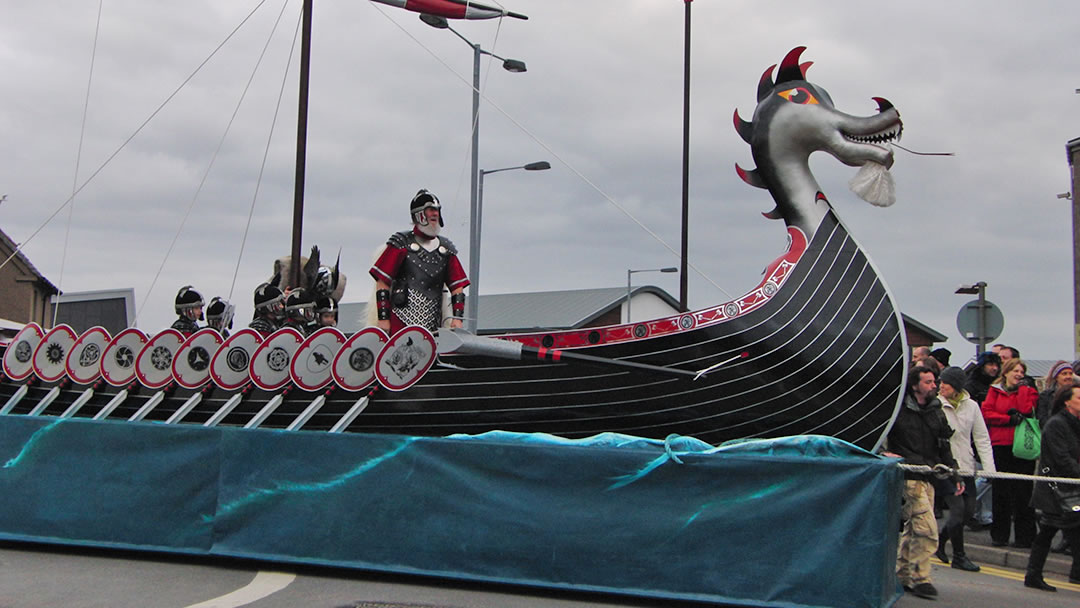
(465, 343)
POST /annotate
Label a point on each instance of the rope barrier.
(941, 471)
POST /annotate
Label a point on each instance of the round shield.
(19, 356)
(84, 361)
(311, 366)
(191, 365)
(270, 363)
(354, 365)
(406, 358)
(51, 353)
(153, 366)
(229, 365)
(118, 360)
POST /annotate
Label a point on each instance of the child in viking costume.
(269, 309)
(413, 268)
(189, 307)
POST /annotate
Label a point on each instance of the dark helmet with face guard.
(424, 200)
(298, 305)
(219, 313)
(269, 299)
(187, 298)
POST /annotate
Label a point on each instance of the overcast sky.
(601, 100)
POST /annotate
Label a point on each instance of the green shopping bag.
(1027, 440)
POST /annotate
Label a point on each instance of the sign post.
(979, 321)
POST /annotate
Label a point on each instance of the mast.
(683, 305)
(301, 145)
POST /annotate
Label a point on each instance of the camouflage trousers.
(919, 539)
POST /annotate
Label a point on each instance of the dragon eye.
(799, 95)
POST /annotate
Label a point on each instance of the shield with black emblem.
(51, 353)
(153, 366)
(310, 368)
(230, 365)
(118, 360)
(191, 365)
(354, 365)
(405, 359)
(19, 356)
(270, 363)
(84, 361)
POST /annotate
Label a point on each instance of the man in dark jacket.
(920, 435)
(986, 370)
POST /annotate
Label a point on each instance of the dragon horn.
(751, 177)
(774, 214)
(789, 67)
(765, 85)
(743, 128)
(804, 67)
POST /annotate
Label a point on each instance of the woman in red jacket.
(1006, 405)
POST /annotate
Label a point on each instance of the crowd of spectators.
(983, 408)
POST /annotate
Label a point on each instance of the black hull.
(826, 355)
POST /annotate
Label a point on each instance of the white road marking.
(264, 584)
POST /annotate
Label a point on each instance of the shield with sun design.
(51, 353)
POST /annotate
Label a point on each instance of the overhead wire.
(78, 160)
(210, 166)
(18, 248)
(266, 152)
(564, 162)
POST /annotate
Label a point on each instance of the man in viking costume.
(189, 308)
(269, 309)
(412, 270)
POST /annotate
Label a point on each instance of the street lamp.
(630, 272)
(472, 320)
(510, 65)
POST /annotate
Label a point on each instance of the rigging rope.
(266, 153)
(78, 161)
(567, 164)
(943, 471)
(210, 166)
(19, 246)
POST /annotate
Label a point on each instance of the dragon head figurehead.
(795, 118)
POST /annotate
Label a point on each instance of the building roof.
(533, 311)
(7, 244)
(554, 310)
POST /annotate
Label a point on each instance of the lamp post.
(510, 65)
(629, 272)
(472, 320)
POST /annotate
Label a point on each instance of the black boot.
(961, 562)
(1036, 582)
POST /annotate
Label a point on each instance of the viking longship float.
(817, 347)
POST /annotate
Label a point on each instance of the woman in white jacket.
(965, 418)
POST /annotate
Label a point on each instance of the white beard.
(430, 229)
